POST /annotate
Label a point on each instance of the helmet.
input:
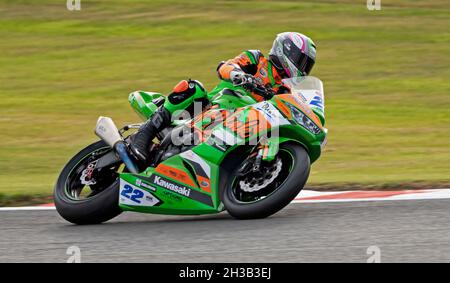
(293, 54)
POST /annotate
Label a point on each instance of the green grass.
(386, 77)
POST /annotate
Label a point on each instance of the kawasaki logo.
(182, 190)
(179, 189)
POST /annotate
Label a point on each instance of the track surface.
(405, 231)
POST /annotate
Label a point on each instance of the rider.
(292, 55)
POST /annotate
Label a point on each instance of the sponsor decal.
(296, 98)
(313, 98)
(182, 190)
(299, 95)
(142, 184)
(263, 72)
(271, 113)
(317, 101)
(172, 196)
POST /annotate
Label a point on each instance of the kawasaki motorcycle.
(247, 157)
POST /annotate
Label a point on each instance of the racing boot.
(182, 98)
(141, 141)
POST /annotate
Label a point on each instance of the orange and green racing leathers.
(188, 94)
(250, 62)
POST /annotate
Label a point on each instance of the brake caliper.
(256, 181)
(86, 176)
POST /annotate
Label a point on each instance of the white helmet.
(293, 54)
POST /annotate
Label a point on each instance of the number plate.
(134, 196)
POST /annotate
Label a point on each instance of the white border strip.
(28, 208)
(411, 195)
(423, 195)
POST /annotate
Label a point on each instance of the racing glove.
(242, 79)
(250, 83)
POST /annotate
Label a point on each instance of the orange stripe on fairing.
(175, 174)
(283, 108)
(255, 123)
(305, 108)
(205, 183)
(362, 195)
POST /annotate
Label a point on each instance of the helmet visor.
(301, 61)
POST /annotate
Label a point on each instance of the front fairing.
(236, 118)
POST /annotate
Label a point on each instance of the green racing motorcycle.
(247, 157)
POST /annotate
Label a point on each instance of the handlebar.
(255, 86)
(265, 92)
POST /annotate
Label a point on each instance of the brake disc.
(257, 183)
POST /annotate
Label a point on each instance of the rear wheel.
(84, 195)
(263, 193)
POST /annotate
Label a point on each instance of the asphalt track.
(404, 231)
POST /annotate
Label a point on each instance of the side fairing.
(188, 183)
(183, 184)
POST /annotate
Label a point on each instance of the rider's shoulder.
(255, 54)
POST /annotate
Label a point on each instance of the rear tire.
(280, 197)
(96, 209)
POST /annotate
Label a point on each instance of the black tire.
(277, 200)
(99, 208)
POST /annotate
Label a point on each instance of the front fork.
(266, 150)
(269, 149)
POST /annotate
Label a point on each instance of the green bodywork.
(190, 198)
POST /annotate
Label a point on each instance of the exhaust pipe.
(108, 132)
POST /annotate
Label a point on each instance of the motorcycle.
(250, 158)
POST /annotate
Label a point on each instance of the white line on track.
(307, 196)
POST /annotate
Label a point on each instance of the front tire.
(101, 204)
(281, 195)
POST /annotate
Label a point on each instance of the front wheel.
(85, 195)
(263, 193)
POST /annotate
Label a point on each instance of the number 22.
(132, 194)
